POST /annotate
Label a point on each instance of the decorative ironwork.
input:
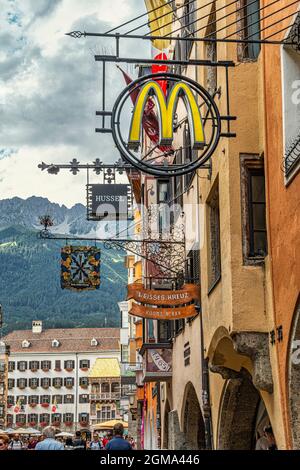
(292, 156)
(97, 166)
(80, 267)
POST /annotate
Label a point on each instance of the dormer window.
(25, 344)
(94, 342)
(55, 343)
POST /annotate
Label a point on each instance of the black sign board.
(108, 201)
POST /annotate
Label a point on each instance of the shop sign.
(108, 201)
(80, 267)
(189, 293)
(158, 364)
(163, 313)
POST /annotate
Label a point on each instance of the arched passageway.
(193, 424)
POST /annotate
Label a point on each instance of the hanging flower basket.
(32, 424)
(45, 369)
(69, 369)
(56, 424)
(68, 423)
(45, 405)
(32, 405)
(84, 423)
(43, 424)
(19, 424)
(84, 385)
(84, 369)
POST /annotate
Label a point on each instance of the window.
(69, 365)
(2, 366)
(105, 414)
(34, 382)
(84, 398)
(84, 364)
(69, 399)
(21, 418)
(115, 387)
(68, 417)
(22, 383)
(253, 209)
(57, 365)
(32, 419)
(58, 399)
(22, 366)
(26, 344)
(2, 388)
(56, 418)
(124, 352)
(22, 399)
(163, 194)
(2, 409)
(291, 109)
(45, 418)
(33, 400)
(11, 366)
(10, 400)
(83, 417)
(46, 365)
(69, 382)
(249, 28)
(45, 399)
(83, 382)
(105, 387)
(10, 420)
(164, 330)
(94, 342)
(57, 382)
(46, 382)
(214, 268)
(10, 383)
(34, 365)
(55, 343)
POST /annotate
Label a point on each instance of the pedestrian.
(69, 444)
(95, 443)
(79, 443)
(49, 442)
(32, 443)
(267, 440)
(16, 443)
(4, 441)
(117, 442)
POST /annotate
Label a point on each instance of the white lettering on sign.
(110, 198)
(163, 297)
(160, 363)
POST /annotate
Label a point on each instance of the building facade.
(48, 374)
(231, 371)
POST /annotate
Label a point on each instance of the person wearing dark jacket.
(118, 442)
(79, 443)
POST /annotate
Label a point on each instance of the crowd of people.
(50, 441)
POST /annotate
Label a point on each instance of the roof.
(105, 368)
(70, 339)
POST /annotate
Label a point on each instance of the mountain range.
(30, 269)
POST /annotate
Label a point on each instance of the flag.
(17, 408)
(160, 22)
(54, 406)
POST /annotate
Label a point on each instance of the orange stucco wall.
(283, 216)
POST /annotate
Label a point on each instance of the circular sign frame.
(165, 169)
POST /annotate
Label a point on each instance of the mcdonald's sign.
(154, 112)
(166, 111)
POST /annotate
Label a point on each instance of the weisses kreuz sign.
(108, 201)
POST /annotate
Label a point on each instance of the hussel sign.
(109, 201)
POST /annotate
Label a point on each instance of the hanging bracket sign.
(108, 201)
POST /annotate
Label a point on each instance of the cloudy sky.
(50, 88)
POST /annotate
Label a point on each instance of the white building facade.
(48, 374)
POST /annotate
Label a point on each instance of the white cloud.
(50, 88)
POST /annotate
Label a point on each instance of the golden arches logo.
(166, 110)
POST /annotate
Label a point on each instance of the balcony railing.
(105, 396)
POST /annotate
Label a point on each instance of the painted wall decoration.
(80, 267)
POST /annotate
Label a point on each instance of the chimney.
(37, 326)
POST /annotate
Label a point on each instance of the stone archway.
(166, 426)
(242, 415)
(193, 424)
(293, 368)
